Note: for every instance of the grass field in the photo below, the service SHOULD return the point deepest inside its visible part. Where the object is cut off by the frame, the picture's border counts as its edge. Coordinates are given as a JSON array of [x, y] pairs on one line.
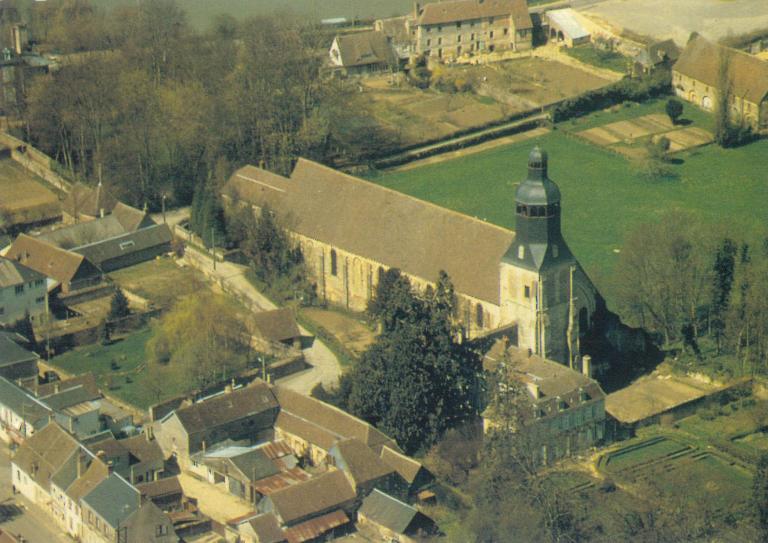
[[604, 196], [130, 381], [23, 197], [609, 60]]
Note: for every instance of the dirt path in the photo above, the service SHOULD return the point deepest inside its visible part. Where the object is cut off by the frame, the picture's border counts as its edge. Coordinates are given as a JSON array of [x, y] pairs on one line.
[[535, 133], [325, 366], [553, 52]]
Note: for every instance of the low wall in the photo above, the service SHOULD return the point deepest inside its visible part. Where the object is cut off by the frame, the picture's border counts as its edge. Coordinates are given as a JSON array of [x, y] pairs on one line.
[[35, 161]]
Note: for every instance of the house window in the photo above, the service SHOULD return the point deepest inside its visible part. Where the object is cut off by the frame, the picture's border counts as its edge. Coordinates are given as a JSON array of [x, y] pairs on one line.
[[527, 291], [19, 289], [490, 21], [40, 300], [2, 311], [479, 315], [39, 283], [491, 34], [160, 530], [458, 24], [458, 51], [506, 31], [429, 42], [458, 38], [472, 37], [334, 263], [439, 41], [429, 29], [439, 28]]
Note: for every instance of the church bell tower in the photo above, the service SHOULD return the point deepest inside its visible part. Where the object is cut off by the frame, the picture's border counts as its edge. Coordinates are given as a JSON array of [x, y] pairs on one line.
[[543, 288]]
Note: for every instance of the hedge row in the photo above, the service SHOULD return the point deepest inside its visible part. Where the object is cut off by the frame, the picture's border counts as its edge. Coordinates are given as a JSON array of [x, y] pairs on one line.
[[634, 90]]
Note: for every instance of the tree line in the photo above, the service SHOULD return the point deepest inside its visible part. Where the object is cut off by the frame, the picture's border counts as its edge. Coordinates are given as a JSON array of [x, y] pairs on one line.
[[157, 109], [692, 287]]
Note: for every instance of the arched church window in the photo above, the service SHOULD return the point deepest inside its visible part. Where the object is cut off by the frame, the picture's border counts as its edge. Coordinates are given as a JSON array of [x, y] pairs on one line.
[[334, 263], [479, 315]]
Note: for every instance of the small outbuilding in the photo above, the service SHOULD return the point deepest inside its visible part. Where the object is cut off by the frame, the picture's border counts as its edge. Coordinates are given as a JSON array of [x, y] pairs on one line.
[[565, 27], [395, 520]]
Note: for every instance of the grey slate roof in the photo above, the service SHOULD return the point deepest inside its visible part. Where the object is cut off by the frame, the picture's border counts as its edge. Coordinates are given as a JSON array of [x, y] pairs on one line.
[[114, 499], [13, 273], [387, 511], [131, 242], [84, 233], [23, 404], [10, 350]]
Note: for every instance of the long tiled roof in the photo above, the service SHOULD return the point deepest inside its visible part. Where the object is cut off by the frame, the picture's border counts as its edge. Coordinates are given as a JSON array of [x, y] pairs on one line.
[[405, 466], [43, 454], [380, 224], [51, 261], [276, 325], [360, 462], [23, 404], [701, 60], [85, 200], [364, 48], [387, 511], [102, 250], [467, 10], [326, 420], [10, 350]]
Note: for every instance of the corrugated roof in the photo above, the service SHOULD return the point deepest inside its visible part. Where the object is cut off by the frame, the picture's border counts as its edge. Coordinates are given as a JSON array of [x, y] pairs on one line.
[[383, 225], [331, 419], [359, 461], [276, 449], [114, 499], [364, 48], [13, 273], [314, 528], [241, 403], [251, 465], [315, 496], [276, 325], [701, 60], [467, 10], [387, 511], [279, 481], [568, 21]]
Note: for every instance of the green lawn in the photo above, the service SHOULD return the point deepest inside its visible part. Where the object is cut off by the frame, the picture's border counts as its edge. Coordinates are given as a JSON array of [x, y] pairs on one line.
[[640, 454], [597, 57], [603, 195], [130, 381]]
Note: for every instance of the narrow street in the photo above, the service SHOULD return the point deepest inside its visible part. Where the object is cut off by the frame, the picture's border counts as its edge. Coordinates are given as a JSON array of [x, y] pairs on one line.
[[24, 518]]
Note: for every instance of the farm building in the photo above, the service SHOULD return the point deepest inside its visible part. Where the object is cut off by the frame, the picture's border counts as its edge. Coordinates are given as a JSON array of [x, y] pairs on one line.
[[22, 292], [502, 278], [657, 55], [84, 203], [565, 27], [16, 361], [696, 78], [278, 326], [395, 520], [447, 30]]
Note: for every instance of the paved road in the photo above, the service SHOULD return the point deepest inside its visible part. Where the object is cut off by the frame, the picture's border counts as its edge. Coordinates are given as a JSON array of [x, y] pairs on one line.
[[34, 524], [325, 366]]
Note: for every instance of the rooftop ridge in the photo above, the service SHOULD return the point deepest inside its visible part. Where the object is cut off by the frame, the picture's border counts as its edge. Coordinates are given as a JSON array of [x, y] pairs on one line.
[[403, 195]]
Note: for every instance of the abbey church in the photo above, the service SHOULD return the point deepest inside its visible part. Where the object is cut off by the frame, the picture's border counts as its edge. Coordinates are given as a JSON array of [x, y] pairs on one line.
[[351, 231]]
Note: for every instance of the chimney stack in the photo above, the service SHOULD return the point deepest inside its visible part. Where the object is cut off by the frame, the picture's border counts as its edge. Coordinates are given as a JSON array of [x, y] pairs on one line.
[[149, 432], [586, 365]]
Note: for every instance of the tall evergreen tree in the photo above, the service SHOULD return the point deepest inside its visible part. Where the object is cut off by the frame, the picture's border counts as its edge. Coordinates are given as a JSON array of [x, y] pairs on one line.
[[760, 496], [118, 307], [722, 282]]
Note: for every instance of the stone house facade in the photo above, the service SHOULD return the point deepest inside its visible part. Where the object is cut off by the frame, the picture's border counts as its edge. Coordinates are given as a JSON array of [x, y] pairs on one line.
[[696, 77], [351, 231], [448, 30], [23, 291]]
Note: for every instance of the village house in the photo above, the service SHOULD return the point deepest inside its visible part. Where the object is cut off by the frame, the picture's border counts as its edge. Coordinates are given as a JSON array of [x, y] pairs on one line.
[[38, 459], [245, 413], [413, 476], [16, 361], [138, 459], [23, 292], [113, 512], [696, 78], [527, 279], [259, 528], [448, 30], [68, 270], [21, 414], [312, 427], [165, 493], [84, 203], [76, 409], [364, 469], [277, 326], [565, 411], [320, 504], [362, 52], [395, 520], [660, 54]]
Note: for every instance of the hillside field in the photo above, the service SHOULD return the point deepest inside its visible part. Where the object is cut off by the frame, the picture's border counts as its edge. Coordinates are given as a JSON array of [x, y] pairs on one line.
[[604, 196]]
